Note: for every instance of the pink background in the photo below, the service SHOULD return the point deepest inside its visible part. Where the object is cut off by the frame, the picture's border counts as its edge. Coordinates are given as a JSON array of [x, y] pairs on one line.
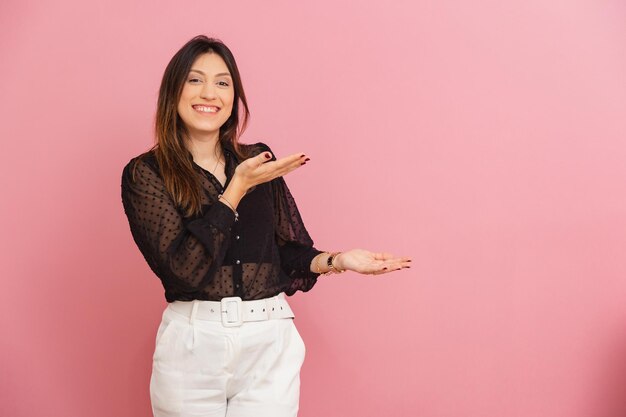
[[485, 139]]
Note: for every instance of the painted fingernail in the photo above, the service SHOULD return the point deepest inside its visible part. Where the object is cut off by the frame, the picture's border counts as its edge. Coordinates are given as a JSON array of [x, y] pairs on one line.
[[308, 159], [385, 268], [301, 155], [267, 155], [303, 163]]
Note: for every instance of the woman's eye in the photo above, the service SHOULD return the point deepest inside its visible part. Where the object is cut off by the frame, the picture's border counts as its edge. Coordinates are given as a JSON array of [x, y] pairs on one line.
[[194, 80], [223, 83]]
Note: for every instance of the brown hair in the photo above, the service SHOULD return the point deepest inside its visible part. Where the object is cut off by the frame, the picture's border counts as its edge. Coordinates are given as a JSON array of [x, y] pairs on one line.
[[175, 161]]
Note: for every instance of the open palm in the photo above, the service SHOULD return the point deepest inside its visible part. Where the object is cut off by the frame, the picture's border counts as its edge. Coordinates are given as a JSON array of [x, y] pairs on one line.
[[259, 169], [371, 263]]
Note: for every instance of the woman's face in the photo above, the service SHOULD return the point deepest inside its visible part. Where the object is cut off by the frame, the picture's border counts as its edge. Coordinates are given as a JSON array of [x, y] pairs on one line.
[[207, 98]]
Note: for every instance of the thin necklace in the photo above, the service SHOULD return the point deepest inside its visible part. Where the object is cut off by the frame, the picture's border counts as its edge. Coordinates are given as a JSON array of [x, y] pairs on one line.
[[217, 161], [215, 167]]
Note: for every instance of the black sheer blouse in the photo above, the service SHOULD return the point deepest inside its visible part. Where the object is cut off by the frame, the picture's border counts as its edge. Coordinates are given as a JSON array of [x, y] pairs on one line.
[[210, 256]]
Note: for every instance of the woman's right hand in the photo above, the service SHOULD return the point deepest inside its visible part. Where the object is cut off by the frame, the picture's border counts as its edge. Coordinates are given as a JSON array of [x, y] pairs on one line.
[[257, 170]]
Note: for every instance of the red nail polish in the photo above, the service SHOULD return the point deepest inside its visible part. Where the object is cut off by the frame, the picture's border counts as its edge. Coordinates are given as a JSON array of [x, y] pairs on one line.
[[303, 163], [308, 159], [267, 155], [301, 155]]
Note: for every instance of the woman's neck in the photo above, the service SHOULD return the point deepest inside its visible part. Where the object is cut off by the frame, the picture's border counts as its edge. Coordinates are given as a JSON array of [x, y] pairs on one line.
[[204, 150]]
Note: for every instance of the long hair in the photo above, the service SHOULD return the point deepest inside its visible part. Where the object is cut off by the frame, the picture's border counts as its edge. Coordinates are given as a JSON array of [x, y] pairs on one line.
[[175, 161]]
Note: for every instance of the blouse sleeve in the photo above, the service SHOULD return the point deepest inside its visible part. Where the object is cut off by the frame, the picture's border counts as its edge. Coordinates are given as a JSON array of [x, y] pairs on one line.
[[184, 252], [295, 246]]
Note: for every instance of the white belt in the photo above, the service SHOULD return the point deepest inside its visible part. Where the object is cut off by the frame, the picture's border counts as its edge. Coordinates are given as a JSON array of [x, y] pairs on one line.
[[232, 311]]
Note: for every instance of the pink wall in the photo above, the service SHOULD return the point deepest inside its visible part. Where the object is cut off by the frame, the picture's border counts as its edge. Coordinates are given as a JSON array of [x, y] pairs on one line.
[[485, 139]]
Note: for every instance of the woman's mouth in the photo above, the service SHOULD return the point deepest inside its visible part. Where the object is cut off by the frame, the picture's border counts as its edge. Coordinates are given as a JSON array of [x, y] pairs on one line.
[[205, 109]]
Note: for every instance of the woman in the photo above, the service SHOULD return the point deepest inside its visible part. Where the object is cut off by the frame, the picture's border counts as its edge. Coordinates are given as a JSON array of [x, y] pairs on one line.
[[217, 224]]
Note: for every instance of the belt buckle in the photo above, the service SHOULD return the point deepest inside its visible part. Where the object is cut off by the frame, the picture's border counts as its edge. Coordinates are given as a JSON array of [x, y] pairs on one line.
[[231, 306]]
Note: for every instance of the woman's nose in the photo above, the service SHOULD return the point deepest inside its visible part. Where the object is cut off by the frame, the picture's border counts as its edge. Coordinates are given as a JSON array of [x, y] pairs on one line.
[[208, 91]]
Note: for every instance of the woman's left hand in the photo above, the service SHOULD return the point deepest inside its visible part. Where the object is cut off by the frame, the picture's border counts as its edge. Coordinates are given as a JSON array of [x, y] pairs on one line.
[[370, 263]]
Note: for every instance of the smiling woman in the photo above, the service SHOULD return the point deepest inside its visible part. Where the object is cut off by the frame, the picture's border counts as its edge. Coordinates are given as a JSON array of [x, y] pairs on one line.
[[206, 101], [216, 222]]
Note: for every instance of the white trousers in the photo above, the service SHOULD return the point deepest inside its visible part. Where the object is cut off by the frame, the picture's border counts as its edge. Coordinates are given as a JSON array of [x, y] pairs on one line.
[[201, 368]]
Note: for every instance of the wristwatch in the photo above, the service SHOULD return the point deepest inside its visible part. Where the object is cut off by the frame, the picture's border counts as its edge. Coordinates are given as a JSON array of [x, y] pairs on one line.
[[331, 267]]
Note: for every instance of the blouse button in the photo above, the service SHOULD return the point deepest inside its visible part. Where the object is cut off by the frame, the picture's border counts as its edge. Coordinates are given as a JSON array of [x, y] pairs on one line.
[[237, 237], [237, 261]]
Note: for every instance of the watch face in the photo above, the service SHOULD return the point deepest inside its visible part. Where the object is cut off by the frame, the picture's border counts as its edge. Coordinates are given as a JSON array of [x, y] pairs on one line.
[[330, 261]]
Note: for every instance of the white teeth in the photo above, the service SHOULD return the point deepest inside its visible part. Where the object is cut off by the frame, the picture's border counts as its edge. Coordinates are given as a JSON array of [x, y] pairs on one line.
[[206, 109]]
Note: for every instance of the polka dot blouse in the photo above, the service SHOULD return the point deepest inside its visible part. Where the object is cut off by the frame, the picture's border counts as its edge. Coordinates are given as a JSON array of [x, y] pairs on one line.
[[210, 256]]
